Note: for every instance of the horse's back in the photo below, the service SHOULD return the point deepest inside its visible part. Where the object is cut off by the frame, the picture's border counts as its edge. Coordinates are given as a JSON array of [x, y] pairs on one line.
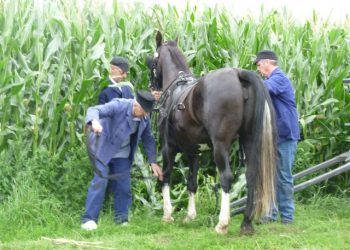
[[222, 105]]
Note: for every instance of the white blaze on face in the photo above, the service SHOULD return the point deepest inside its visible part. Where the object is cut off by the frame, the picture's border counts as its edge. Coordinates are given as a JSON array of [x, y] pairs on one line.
[[166, 201]]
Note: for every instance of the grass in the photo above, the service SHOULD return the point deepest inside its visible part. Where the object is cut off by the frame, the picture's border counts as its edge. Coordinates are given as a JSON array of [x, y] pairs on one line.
[[322, 224]]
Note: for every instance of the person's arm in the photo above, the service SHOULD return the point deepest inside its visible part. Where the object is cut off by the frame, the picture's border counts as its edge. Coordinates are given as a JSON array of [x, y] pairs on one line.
[[156, 94], [95, 113], [150, 149], [276, 84], [157, 171]]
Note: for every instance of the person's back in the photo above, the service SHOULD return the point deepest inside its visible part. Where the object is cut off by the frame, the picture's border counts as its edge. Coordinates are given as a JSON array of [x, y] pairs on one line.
[[282, 95]]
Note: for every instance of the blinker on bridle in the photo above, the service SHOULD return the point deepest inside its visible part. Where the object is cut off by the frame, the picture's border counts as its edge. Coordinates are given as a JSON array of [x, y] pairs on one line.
[[154, 81]]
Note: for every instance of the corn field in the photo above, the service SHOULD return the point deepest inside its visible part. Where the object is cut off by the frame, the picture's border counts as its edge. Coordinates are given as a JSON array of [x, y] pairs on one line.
[[55, 58]]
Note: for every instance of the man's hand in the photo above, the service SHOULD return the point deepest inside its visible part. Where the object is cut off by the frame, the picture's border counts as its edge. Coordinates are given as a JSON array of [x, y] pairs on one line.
[[157, 171], [96, 127], [156, 94]]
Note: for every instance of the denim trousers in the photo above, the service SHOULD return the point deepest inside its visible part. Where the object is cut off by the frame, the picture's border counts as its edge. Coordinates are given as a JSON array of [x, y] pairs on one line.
[[121, 189], [285, 186]]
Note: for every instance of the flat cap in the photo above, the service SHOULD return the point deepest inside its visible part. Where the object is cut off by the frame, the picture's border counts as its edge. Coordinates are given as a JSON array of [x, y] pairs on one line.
[[266, 54], [121, 63], [146, 100]]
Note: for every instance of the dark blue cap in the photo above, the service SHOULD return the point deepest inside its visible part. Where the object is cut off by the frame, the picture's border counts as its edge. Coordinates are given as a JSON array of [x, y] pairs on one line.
[[121, 63], [266, 54], [146, 100]]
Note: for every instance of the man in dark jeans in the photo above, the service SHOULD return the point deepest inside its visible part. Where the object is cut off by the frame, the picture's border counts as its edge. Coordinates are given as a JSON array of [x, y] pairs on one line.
[[282, 95]]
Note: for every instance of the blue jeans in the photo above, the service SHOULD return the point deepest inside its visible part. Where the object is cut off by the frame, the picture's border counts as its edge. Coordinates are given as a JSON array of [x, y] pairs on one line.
[[121, 188], [285, 187]]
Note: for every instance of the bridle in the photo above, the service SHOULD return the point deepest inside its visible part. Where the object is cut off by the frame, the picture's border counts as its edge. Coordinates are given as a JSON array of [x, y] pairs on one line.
[[155, 78]]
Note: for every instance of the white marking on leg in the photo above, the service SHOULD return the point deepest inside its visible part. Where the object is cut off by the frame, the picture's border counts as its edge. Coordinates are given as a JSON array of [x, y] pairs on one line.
[[167, 208], [191, 211], [224, 217]]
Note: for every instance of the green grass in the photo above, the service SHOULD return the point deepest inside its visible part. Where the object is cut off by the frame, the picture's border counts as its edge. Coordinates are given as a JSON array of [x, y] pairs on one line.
[[322, 224]]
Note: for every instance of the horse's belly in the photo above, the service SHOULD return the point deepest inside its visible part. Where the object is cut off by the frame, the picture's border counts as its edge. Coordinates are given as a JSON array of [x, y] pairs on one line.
[[192, 139]]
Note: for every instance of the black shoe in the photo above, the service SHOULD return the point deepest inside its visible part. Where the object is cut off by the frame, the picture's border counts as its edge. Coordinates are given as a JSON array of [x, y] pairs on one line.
[[287, 222], [122, 222]]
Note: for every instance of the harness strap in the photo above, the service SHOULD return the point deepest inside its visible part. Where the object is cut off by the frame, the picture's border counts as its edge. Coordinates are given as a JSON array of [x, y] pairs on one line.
[[165, 104], [184, 95]]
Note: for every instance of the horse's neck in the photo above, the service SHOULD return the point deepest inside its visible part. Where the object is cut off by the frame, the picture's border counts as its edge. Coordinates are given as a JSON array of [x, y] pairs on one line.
[[170, 75]]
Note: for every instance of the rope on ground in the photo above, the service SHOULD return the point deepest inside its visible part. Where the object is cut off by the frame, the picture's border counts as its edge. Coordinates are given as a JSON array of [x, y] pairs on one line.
[[78, 243]]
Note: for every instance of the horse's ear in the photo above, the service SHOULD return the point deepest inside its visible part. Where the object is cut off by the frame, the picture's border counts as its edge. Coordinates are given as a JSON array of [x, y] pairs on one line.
[[159, 39], [149, 62], [176, 40]]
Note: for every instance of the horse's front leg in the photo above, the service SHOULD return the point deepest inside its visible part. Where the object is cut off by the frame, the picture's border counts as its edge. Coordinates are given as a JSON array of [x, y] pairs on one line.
[[167, 207], [168, 163], [192, 187], [221, 157]]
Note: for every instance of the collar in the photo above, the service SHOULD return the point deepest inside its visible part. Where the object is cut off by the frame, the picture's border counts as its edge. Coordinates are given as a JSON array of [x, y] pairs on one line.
[[114, 84], [273, 72], [119, 85]]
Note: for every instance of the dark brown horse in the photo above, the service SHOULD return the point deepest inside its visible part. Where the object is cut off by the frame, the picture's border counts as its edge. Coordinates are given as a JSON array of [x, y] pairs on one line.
[[225, 105]]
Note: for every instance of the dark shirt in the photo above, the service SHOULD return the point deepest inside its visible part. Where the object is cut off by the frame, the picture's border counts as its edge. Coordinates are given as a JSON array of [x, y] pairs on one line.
[[282, 95], [110, 93]]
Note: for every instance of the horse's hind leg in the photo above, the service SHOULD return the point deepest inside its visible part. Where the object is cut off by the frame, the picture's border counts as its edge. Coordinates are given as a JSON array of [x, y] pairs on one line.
[[221, 157], [168, 163], [192, 187], [247, 226]]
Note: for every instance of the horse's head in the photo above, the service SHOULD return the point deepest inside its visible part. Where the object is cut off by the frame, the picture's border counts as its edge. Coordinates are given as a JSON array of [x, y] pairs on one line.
[[168, 60]]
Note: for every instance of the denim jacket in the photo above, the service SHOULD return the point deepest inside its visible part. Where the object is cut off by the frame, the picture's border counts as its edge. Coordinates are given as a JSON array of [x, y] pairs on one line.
[[282, 95], [116, 119]]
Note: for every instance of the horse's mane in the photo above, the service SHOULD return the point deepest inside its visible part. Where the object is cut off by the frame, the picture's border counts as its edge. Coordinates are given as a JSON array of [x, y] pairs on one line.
[[177, 56]]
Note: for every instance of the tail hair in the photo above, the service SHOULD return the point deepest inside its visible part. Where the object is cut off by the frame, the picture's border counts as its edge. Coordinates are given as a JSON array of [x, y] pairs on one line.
[[262, 168]]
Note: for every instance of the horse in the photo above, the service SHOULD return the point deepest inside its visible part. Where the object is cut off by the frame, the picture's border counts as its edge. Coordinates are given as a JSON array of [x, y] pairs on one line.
[[215, 110]]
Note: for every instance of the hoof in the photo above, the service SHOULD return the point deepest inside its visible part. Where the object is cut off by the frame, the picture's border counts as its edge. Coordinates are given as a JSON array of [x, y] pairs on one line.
[[221, 229], [247, 230], [188, 219], [167, 219]]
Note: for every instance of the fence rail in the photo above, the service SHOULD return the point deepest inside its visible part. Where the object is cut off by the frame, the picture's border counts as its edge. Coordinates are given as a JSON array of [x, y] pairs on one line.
[[345, 157]]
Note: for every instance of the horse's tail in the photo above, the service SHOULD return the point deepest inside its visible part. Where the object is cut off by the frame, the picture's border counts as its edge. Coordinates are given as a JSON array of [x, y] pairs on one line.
[[261, 170]]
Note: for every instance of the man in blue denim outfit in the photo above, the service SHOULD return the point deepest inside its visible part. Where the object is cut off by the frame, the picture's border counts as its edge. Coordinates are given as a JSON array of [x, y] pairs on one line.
[[119, 125], [282, 95]]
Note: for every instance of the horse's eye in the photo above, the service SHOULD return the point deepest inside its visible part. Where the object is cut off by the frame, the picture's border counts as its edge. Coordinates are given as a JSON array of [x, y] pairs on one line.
[[156, 55]]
